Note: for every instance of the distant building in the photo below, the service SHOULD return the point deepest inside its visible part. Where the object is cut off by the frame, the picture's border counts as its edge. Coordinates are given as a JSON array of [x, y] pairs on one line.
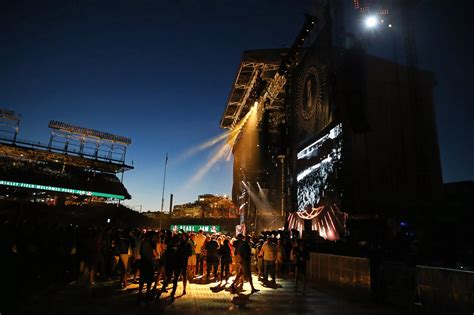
[[189, 210], [207, 206]]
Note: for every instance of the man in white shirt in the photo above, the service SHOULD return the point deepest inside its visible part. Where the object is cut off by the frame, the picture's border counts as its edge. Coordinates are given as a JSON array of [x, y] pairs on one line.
[[200, 239]]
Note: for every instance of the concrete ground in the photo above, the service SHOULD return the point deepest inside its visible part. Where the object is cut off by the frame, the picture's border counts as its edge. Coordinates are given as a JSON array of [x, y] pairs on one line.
[[201, 298]]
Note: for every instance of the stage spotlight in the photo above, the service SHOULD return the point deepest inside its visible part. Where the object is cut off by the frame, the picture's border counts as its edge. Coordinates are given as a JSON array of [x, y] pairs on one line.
[[371, 21]]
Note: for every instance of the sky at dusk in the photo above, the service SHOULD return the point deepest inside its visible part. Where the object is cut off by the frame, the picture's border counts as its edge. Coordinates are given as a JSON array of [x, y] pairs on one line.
[[160, 72]]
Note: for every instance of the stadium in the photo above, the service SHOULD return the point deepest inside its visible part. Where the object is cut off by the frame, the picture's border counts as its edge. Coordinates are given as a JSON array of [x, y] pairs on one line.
[[76, 171]]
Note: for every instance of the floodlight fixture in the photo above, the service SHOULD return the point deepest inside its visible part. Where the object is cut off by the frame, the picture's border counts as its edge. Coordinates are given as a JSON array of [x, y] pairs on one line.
[[371, 21], [8, 114]]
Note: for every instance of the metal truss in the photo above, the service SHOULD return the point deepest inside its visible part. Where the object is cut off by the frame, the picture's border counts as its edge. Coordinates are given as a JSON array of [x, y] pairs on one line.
[[84, 145]]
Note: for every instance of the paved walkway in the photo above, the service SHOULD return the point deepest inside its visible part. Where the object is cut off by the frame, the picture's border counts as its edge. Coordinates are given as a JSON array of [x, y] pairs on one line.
[[106, 298]]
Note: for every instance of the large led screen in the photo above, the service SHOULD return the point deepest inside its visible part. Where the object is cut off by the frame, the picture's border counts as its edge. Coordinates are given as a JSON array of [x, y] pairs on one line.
[[319, 165]]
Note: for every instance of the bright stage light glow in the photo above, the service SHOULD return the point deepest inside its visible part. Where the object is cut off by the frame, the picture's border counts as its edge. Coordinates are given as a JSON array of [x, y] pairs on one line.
[[371, 21]]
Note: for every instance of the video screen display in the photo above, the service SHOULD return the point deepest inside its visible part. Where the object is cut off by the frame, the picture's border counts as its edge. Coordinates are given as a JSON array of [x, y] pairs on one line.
[[318, 167]]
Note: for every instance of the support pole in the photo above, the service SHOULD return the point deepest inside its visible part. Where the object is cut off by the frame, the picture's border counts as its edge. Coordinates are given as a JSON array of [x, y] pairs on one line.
[[81, 146], [16, 132], [50, 144], [163, 191]]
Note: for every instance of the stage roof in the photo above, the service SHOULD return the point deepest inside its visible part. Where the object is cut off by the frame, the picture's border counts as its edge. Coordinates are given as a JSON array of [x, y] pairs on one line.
[[254, 63]]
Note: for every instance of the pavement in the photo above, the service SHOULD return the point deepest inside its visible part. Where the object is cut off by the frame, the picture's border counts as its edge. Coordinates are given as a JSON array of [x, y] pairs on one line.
[[201, 298]]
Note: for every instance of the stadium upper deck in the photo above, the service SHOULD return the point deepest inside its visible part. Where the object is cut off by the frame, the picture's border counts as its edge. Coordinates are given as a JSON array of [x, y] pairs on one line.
[[71, 169]]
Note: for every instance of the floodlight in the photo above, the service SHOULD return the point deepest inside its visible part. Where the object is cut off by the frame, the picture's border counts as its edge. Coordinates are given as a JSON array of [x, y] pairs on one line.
[[371, 21]]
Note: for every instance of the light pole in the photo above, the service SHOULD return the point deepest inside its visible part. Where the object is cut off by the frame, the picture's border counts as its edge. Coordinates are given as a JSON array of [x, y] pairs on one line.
[[163, 191]]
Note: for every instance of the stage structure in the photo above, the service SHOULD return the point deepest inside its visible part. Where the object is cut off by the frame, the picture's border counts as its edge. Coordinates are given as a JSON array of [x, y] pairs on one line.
[[255, 151], [257, 106], [343, 139]]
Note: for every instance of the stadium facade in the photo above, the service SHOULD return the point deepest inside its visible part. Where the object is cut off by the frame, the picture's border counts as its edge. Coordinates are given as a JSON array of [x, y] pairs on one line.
[[77, 166]]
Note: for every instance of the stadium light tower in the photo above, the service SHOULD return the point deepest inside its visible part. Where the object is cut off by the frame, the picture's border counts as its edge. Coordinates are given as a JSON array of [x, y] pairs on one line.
[[10, 120]]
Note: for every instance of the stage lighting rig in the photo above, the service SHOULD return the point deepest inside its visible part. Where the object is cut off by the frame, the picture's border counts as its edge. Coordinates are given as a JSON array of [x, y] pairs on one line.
[[291, 58], [258, 89]]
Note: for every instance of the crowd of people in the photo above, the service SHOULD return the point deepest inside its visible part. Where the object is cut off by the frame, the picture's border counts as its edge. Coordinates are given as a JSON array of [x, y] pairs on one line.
[[41, 255]]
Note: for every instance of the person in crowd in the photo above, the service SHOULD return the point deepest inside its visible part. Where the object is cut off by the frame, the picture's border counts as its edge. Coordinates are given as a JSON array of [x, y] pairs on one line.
[[160, 258], [268, 252], [136, 256], [170, 258], [125, 249], [236, 246], [192, 258], [115, 253], [232, 258], [245, 256], [200, 239], [211, 257], [280, 258], [72, 267], [107, 252], [101, 263], [147, 252], [287, 250], [301, 256], [224, 253], [294, 246], [11, 271], [183, 251], [260, 264], [204, 252], [91, 255]]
